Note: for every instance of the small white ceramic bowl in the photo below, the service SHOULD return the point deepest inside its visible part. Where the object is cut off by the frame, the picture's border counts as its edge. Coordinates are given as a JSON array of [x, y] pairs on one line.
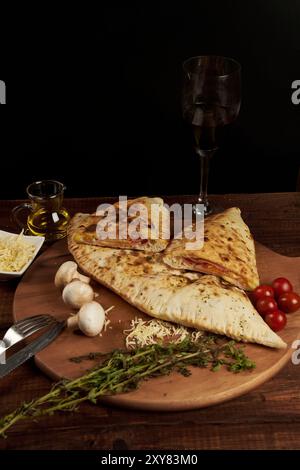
[[34, 240]]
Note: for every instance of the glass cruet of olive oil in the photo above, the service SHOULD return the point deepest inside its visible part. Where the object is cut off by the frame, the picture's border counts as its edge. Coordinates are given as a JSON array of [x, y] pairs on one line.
[[46, 215]]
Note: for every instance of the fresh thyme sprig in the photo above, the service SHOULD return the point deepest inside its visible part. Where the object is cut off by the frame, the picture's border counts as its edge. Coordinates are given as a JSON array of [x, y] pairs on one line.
[[122, 371]]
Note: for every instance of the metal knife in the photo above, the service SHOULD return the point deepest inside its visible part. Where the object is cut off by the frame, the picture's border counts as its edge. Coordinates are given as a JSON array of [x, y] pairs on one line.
[[31, 349]]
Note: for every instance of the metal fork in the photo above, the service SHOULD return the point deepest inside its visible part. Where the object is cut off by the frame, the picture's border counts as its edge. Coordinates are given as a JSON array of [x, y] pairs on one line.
[[24, 328]]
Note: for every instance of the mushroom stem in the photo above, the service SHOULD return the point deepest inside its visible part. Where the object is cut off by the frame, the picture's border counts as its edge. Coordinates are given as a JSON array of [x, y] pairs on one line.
[[82, 278], [72, 321]]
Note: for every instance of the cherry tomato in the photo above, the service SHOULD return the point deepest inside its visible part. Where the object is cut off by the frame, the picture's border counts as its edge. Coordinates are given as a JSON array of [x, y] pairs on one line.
[[262, 291], [276, 320], [281, 285], [265, 305], [289, 302]]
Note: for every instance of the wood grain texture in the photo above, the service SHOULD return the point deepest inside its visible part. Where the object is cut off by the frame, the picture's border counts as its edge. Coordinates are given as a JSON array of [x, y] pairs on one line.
[[174, 392], [267, 418]]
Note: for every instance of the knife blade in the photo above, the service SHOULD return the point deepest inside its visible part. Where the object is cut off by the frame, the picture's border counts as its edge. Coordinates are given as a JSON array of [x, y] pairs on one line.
[[31, 349]]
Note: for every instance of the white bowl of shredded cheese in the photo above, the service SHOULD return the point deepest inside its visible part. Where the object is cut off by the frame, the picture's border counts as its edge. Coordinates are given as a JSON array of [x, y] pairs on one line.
[[17, 251]]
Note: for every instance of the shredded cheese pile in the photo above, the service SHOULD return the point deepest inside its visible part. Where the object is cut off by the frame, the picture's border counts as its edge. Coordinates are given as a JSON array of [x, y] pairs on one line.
[[15, 252], [107, 320], [142, 333]]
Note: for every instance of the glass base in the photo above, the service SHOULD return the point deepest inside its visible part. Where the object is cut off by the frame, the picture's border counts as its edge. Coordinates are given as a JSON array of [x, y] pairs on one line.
[[200, 207]]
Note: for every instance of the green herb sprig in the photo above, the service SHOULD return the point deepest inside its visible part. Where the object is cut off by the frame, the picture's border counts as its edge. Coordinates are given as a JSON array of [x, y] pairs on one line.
[[122, 371]]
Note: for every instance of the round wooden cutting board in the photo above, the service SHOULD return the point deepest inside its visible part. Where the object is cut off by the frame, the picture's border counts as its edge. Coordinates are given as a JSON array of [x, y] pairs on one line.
[[37, 294]]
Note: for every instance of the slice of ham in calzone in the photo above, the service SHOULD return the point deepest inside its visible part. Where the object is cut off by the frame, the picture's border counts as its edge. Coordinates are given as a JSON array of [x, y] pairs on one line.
[[228, 251]]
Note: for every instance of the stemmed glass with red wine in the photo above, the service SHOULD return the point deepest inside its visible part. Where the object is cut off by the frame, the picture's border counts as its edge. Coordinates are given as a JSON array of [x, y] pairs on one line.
[[211, 100]]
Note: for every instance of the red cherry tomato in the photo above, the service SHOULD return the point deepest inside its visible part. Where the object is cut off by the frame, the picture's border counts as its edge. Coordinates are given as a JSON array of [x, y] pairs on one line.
[[289, 302], [276, 320], [265, 305], [262, 291], [281, 285]]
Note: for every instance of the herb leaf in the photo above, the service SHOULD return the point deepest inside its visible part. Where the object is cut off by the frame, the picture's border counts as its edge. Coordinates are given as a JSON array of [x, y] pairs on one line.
[[122, 371]]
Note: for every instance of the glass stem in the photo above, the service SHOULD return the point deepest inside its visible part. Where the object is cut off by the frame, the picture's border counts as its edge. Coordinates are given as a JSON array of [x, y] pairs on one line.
[[205, 156]]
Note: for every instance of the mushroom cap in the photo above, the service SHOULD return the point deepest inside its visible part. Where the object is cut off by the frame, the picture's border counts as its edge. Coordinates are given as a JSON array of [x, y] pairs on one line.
[[91, 318], [77, 293], [65, 274]]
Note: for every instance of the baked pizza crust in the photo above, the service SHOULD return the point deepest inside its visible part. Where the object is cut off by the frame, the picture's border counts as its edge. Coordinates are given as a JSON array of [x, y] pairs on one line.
[[153, 236], [228, 251], [205, 302]]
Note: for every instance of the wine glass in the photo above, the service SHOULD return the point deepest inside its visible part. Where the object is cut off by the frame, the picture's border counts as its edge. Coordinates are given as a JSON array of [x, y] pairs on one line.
[[211, 99]]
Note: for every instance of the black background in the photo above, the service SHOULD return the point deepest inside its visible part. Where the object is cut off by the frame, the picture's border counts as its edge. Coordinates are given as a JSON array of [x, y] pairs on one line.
[[93, 96]]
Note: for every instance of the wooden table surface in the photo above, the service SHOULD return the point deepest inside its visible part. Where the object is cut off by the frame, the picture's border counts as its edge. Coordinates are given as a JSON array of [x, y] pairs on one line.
[[267, 418]]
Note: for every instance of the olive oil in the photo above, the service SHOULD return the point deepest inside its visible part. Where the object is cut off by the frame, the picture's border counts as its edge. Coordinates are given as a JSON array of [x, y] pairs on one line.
[[46, 215], [49, 224]]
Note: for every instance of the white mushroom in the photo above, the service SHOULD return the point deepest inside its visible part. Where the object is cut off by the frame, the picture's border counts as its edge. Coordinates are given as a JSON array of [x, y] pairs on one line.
[[66, 273], [90, 319], [77, 293]]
